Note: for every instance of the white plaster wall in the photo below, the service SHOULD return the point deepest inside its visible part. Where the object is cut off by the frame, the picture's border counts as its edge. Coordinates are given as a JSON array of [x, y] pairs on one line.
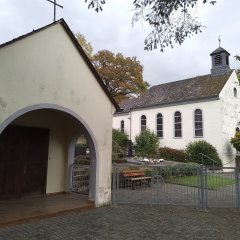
[[117, 122], [230, 117], [211, 123], [46, 68]]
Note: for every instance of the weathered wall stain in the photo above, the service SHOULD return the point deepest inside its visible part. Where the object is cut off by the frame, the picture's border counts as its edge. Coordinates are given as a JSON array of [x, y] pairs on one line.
[[3, 104]]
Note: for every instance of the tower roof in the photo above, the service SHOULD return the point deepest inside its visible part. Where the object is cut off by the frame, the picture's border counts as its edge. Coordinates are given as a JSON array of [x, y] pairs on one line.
[[219, 50]]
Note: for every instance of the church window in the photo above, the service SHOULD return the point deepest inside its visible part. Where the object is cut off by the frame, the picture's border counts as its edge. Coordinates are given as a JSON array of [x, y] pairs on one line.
[[235, 92], [143, 123], [122, 126], [198, 123], [218, 59], [177, 124], [160, 125]]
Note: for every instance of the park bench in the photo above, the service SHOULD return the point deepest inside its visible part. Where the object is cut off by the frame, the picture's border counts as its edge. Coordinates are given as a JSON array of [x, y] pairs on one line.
[[135, 178]]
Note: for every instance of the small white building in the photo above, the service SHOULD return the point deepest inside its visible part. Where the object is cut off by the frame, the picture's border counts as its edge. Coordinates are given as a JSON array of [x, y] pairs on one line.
[[50, 95], [204, 107]]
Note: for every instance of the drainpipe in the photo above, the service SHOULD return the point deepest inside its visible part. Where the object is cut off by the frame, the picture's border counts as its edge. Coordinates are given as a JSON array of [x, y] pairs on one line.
[[130, 134]]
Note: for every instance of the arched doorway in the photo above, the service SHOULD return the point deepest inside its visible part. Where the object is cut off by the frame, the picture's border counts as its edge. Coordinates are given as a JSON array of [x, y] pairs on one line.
[[37, 151]]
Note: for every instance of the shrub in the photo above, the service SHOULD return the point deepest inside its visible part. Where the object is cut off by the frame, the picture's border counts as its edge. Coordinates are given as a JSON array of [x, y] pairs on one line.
[[194, 150], [121, 138], [235, 141], [172, 154], [146, 144], [183, 169]]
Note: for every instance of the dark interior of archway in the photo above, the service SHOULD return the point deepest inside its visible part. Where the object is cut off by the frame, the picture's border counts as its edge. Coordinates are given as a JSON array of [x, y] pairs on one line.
[[23, 161]]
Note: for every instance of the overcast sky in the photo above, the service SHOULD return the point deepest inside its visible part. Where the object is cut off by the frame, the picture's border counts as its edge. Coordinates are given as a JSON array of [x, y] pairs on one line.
[[112, 30]]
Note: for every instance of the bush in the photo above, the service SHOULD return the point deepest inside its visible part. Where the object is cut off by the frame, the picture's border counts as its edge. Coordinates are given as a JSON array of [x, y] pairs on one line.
[[235, 141], [194, 150], [183, 169], [172, 154], [146, 144], [121, 138]]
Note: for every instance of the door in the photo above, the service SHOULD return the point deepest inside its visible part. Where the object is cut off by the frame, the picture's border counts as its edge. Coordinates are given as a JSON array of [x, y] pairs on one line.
[[23, 160]]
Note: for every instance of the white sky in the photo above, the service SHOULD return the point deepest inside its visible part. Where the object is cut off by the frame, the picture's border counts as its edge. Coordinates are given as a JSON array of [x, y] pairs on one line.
[[112, 30]]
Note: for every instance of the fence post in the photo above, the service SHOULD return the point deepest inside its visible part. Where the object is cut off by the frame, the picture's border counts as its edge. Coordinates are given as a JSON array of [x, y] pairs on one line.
[[237, 187], [202, 186], [205, 187], [114, 183]]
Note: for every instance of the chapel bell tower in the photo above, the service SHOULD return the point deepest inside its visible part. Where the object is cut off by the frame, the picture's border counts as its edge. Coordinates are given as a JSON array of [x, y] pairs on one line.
[[220, 61]]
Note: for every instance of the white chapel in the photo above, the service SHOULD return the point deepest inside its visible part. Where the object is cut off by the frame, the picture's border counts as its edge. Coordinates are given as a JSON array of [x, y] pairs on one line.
[[203, 107]]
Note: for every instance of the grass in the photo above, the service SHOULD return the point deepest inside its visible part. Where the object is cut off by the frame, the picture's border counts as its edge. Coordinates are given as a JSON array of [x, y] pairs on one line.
[[213, 182]]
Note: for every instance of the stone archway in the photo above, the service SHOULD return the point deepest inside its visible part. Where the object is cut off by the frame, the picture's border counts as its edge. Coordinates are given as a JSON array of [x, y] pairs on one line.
[[43, 116]]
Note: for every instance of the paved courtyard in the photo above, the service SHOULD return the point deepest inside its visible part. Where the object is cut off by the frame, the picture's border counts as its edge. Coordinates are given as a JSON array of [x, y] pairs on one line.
[[130, 222]]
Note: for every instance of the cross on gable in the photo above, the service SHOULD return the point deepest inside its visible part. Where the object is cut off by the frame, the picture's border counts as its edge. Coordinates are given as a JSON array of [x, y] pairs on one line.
[[54, 2]]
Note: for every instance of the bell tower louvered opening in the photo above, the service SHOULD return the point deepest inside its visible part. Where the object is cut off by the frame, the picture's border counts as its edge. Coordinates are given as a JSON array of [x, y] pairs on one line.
[[220, 62]]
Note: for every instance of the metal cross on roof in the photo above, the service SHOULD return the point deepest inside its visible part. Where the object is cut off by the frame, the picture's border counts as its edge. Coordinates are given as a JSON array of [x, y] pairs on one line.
[[55, 5], [219, 39]]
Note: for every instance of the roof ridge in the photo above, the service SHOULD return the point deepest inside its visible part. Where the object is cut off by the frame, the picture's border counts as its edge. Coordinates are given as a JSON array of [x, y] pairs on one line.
[[30, 33], [187, 79]]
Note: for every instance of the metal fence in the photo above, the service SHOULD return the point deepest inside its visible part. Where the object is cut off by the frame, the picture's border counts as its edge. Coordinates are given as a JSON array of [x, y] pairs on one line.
[[80, 178], [179, 185]]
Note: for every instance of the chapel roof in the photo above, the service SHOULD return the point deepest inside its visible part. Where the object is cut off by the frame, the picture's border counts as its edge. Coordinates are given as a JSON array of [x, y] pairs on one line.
[[219, 50], [192, 89], [78, 47]]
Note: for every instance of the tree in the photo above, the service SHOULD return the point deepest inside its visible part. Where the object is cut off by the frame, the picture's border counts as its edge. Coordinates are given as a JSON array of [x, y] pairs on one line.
[[147, 144], [237, 57], [121, 75], [169, 20], [87, 47], [235, 141]]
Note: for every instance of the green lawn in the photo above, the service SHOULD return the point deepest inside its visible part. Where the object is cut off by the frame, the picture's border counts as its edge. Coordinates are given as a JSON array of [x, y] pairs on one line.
[[213, 182]]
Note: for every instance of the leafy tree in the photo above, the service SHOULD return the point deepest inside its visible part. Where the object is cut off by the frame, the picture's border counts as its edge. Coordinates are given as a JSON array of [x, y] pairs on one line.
[[147, 143], [169, 20], [196, 148], [235, 141], [121, 138], [119, 144], [87, 47], [122, 75]]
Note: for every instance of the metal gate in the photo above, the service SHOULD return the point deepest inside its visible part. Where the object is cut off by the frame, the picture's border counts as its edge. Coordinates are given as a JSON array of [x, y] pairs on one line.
[[179, 185], [80, 178]]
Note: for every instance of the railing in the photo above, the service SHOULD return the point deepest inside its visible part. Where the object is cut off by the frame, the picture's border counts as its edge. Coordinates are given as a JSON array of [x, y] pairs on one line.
[[212, 160], [179, 185]]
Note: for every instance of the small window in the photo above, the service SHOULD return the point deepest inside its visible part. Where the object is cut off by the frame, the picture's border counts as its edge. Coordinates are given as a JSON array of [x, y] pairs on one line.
[[122, 126], [235, 92], [198, 123], [177, 124], [227, 61], [143, 123], [159, 125], [218, 59], [237, 129]]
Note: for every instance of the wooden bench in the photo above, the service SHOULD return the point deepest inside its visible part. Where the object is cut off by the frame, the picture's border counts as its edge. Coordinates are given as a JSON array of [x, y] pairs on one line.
[[136, 178]]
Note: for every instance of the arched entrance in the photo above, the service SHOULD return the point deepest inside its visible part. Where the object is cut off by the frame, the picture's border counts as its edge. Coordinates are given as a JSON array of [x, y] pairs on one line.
[[37, 151]]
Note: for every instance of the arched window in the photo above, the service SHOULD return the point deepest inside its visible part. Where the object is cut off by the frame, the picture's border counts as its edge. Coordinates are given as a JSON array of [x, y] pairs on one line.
[[177, 124], [160, 125], [143, 123], [237, 129], [122, 126], [218, 59], [198, 123], [235, 92]]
